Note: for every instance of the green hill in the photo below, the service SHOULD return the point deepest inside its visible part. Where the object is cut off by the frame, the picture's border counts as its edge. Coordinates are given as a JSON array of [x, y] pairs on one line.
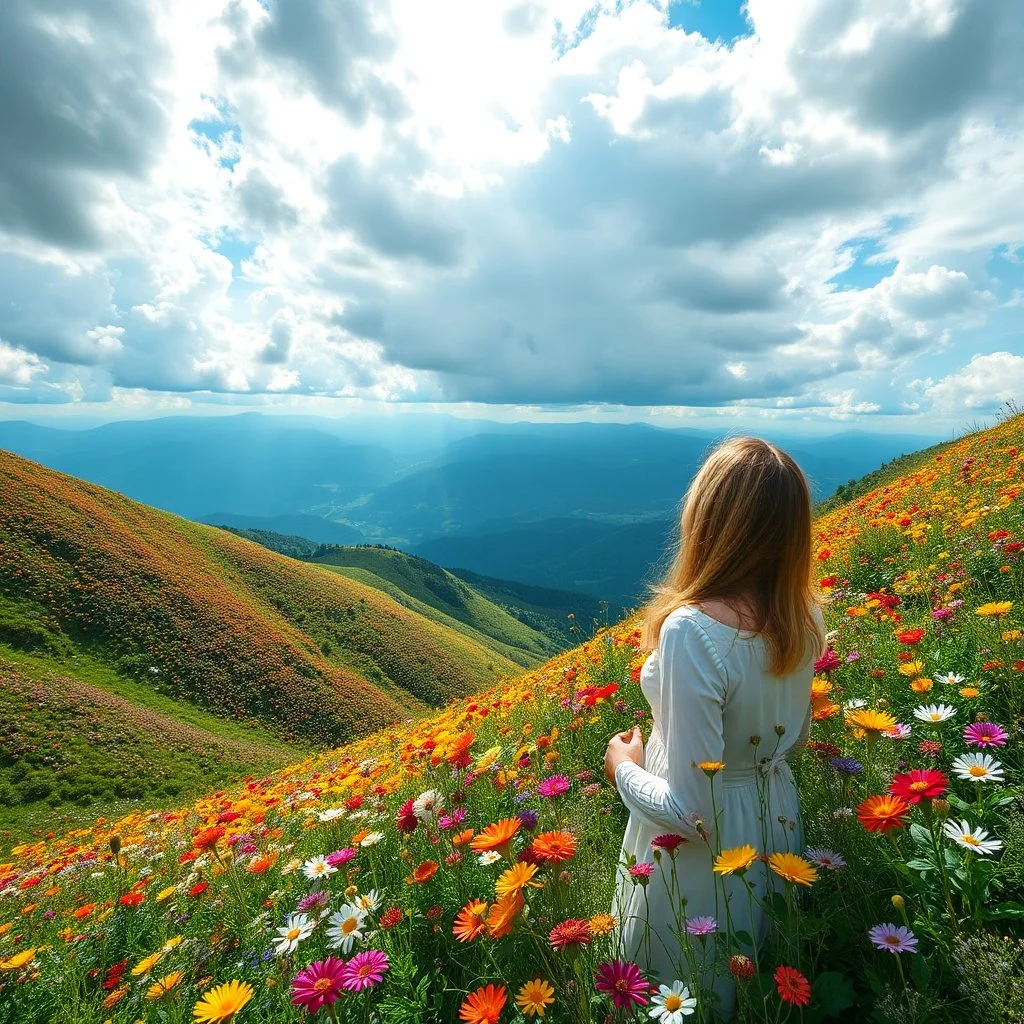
[[442, 596], [207, 620]]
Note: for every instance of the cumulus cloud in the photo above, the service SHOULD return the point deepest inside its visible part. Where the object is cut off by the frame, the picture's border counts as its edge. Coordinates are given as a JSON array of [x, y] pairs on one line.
[[985, 384], [560, 202]]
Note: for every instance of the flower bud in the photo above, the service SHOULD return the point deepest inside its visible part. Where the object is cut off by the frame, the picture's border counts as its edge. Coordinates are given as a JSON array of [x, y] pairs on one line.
[[898, 901], [940, 808]]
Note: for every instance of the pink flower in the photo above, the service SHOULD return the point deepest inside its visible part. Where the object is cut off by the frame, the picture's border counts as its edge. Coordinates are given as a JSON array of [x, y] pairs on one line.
[[553, 785], [641, 870], [669, 841], [340, 857], [622, 982], [828, 662], [319, 984], [365, 970], [701, 926], [985, 734]]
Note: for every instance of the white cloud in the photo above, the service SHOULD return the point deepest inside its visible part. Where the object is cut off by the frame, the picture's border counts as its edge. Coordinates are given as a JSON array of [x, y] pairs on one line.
[[985, 384], [510, 202]]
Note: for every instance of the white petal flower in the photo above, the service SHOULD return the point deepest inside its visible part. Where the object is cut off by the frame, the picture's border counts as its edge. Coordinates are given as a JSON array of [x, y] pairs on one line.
[[977, 840], [933, 714], [317, 867], [978, 767], [672, 1003], [345, 927], [299, 927]]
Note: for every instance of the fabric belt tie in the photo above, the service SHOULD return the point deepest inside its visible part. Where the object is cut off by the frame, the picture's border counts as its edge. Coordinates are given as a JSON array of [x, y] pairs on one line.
[[771, 770]]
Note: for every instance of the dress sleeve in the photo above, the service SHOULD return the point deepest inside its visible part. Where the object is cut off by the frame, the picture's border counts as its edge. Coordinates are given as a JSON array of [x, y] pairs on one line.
[[692, 702]]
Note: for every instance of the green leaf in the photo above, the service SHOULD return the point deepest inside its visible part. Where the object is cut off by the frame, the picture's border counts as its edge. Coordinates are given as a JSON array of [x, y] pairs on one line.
[[921, 865], [921, 835], [744, 938], [1003, 911], [833, 992]]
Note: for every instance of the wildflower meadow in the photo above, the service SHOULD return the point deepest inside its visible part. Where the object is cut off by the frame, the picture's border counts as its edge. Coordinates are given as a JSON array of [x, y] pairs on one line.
[[461, 867]]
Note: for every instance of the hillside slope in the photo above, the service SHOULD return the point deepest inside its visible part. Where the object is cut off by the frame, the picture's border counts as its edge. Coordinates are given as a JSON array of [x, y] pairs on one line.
[[213, 619], [438, 594], [450, 828]]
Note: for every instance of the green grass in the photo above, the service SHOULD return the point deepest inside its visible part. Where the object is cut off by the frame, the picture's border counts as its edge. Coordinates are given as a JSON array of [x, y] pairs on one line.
[[76, 740]]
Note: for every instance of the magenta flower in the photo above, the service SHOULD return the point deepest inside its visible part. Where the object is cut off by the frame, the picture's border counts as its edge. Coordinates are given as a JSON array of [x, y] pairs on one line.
[[314, 901], [668, 841], [340, 857], [641, 870], [828, 662], [895, 939], [942, 614], [447, 821], [553, 785], [365, 970], [701, 926], [319, 984], [985, 734], [622, 982]]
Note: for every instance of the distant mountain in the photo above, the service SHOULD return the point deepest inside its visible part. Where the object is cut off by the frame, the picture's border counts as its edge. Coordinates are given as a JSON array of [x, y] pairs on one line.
[[196, 466], [583, 507], [207, 618]]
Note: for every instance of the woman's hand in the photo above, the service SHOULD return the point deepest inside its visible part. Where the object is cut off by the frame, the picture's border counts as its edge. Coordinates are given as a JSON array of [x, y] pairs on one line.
[[623, 746]]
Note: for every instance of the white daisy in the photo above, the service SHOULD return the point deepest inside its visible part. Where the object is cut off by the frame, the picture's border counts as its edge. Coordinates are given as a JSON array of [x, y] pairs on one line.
[[299, 927], [948, 678], [976, 840], [672, 1004], [317, 867], [345, 927], [427, 804], [978, 767], [855, 703], [331, 814], [489, 857], [368, 902], [934, 714], [372, 839]]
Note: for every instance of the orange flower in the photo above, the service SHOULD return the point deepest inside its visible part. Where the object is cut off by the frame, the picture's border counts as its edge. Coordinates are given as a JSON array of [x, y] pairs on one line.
[[261, 864], [462, 837], [554, 846], [483, 1006], [132, 899], [882, 813], [84, 911], [497, 836], [503, 913], [470, 921], [423, 872]]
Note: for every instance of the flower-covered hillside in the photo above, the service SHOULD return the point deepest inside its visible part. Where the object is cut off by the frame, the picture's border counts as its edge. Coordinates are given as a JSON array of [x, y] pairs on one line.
[[461, 868], [215, 620]]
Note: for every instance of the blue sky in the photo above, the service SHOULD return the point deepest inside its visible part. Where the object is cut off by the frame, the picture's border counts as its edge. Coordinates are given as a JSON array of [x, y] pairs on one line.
[[677, 212]]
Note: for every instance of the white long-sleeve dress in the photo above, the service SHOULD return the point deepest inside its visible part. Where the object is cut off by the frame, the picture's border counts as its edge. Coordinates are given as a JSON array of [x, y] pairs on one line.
[[710, 692]]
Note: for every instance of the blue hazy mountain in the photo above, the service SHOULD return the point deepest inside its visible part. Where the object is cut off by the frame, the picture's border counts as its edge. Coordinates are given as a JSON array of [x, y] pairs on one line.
[[585, 507]]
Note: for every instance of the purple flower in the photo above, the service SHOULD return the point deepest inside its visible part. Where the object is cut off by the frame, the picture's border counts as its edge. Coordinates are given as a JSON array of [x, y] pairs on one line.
[[826, 858], [314, 901], [852, 656], [701, 926], [553, 785], [622, 982], [847, 765], [942, 614], [894, 938], [456, 817], [528, 818]]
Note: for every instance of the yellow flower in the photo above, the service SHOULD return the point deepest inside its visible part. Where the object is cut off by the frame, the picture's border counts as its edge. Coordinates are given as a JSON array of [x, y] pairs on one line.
[[993, 609], [710, 768], [223, 1002], [969, 691], [165, 894], [534, 996], [736, 860], [1011, 636], [147, 964], [870, 720], [161, 988], [19, 960], [921, 685], [911, 669], [175, 940], [516, 878], [602, 924], [793, 868]]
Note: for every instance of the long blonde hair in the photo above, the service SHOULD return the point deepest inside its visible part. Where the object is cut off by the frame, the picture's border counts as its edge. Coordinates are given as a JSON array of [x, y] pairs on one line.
[[745, 535]]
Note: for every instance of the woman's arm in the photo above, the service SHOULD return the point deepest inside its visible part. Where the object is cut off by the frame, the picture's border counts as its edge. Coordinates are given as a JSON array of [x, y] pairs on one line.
[[692, 700]]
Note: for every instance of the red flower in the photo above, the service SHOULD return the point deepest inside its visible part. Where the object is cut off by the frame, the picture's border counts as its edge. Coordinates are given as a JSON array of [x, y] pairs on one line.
[[921, 783], [910, 636], [793, 986], [391, 917], [132, 899], [208, 838], [198, 889], [405, 820]]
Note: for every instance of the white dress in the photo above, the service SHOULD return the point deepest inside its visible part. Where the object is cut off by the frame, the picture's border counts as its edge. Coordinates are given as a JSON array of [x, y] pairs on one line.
[[710, 692]]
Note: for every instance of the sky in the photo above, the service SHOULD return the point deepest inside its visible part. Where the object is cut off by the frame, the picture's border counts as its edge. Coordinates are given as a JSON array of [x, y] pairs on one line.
[[803, 213]]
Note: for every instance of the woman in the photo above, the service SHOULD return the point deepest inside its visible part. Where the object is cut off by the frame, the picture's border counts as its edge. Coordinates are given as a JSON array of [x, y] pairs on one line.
[[735, 629]]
